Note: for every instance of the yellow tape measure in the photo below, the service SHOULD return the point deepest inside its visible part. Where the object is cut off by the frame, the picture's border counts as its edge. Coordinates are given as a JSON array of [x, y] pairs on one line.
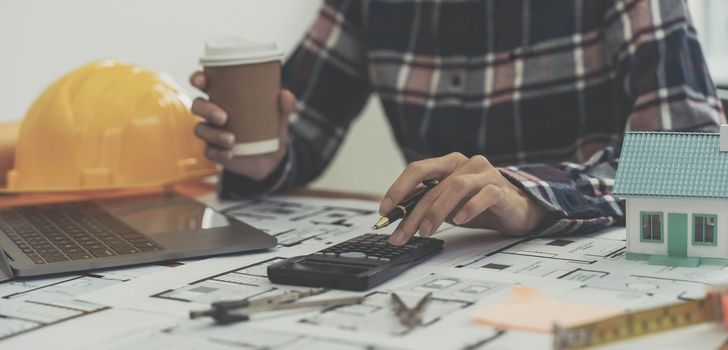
[[643, 322]]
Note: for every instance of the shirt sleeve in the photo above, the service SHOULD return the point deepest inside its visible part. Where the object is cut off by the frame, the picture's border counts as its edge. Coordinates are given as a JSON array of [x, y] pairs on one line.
[[328, 75], [664, 86]]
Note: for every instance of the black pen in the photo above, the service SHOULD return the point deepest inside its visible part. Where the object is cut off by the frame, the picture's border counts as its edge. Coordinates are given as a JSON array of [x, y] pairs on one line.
[[406, 206]]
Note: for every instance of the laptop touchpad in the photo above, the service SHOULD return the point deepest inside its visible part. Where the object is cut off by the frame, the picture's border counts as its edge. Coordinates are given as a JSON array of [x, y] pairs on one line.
[[154, 214]]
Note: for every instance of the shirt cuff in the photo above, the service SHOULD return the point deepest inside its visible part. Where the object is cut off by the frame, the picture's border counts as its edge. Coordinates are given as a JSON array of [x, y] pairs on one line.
[[570, 212]]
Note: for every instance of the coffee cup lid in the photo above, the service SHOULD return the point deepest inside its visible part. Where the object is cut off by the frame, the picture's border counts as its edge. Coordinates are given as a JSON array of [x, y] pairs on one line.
[[226, 51]]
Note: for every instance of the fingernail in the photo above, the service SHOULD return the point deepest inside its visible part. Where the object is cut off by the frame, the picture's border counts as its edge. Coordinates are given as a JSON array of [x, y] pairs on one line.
[[385, 207], [198, 80], [459, 218], [400, 237], [426, 228], [220, 116], [394, 238], [229, 140]]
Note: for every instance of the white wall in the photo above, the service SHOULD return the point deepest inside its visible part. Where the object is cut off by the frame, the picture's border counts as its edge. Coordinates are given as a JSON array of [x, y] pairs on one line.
[[687, 206], [709, 17], [369, 161], [41, 40]]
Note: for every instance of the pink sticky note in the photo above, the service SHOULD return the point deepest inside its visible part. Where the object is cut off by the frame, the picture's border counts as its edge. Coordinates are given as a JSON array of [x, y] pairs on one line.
[[529, 310]]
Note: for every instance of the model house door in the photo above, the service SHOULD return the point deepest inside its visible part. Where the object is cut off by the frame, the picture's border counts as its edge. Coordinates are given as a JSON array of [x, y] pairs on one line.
[[677, 234]]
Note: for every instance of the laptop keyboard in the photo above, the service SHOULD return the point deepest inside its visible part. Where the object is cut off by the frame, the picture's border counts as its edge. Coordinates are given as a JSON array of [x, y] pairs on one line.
[[71, 231]]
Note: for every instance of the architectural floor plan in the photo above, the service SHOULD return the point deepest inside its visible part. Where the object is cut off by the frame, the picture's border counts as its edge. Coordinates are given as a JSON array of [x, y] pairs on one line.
[[475, 269], [30, 304]]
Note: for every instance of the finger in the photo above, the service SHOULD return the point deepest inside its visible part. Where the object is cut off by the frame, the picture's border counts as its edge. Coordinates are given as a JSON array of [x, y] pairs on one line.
[[415, 173], [399, 236], [409, 225], [459, 189], [199, 80], [468, 179], [413, 221], [209, 111], [477, 204], [287, 106], [287, 102], [218, 137], [217, 154]]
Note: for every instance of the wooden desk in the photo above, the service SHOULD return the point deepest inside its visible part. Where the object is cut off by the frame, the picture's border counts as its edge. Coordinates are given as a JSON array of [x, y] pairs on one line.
[[190, 188]]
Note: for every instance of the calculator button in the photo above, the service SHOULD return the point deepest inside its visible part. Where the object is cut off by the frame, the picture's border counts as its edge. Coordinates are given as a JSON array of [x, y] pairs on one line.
[[356, 255]]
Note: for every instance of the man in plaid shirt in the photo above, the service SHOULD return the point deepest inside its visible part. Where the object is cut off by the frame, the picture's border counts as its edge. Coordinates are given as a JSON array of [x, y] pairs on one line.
[[518, 106]]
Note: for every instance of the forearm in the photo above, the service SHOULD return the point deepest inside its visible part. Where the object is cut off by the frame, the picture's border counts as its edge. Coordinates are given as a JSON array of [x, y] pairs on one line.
[[309, 151], [578, 197]]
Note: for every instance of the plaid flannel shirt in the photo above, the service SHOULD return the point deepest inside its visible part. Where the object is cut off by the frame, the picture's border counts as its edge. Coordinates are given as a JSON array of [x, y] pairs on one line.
[[543, 89]]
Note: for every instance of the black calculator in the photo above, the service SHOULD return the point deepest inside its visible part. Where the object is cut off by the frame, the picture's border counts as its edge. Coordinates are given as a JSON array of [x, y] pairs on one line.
[[357, 264]]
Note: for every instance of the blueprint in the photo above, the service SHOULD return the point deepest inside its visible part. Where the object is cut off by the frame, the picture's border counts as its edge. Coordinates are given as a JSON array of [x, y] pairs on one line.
[[246, 282], [477, 268], [31, 304], [598, 262], [293, 222]]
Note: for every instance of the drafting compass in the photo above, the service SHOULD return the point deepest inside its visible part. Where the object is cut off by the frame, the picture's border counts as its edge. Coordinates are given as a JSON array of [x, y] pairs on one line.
[[410, 317], [225, 312]]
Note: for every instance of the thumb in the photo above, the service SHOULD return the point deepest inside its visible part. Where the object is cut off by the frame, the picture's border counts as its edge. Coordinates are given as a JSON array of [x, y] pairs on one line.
[[287, 106], [287, 102]]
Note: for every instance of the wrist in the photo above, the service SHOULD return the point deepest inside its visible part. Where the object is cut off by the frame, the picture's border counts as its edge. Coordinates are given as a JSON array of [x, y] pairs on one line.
[[536, 214], [532, 214], [235, 185], [272, 165], [258, 167]]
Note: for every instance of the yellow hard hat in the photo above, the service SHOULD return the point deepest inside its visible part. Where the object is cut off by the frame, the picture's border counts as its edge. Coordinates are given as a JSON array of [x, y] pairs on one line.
[[107, 125]]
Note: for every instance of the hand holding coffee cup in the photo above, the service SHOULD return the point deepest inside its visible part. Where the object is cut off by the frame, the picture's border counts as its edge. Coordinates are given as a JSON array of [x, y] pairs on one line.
[[245, 120]]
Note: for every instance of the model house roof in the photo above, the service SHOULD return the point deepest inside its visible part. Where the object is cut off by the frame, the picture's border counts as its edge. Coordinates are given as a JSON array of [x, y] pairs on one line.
[[672, 164]]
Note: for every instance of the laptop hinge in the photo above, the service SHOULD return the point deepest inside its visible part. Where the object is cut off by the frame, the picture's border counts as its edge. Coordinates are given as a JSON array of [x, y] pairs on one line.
[[6, 272]]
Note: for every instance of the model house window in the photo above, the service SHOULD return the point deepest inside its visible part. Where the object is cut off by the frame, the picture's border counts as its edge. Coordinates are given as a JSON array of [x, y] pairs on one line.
[[651, 226], [704, 227]]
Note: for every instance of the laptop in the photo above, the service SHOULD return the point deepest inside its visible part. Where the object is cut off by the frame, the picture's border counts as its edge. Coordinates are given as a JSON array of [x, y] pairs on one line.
[[75, 236]]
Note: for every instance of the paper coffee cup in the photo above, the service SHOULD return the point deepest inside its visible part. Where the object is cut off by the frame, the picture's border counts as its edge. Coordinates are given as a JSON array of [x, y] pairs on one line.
[[244, 79]]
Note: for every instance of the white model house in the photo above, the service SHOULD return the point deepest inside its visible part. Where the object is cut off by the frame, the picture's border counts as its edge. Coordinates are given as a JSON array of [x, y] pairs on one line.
[[676, 190]]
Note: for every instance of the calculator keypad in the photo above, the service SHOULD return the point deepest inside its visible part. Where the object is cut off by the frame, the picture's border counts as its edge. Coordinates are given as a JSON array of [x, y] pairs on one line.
[[357, 264], [372, 246]]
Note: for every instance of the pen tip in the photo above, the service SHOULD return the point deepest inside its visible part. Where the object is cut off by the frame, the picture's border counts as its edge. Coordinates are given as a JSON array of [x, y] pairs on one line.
[[381, 223]]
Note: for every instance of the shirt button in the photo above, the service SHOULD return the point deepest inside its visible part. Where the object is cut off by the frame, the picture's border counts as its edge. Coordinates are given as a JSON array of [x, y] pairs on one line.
[[456, 80]]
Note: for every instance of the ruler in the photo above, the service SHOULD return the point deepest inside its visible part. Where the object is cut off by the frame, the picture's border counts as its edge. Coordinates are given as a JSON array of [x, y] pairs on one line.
[[638, 323]]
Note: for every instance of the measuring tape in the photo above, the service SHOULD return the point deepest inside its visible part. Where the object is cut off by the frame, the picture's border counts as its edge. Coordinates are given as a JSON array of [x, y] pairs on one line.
[[713, 308]]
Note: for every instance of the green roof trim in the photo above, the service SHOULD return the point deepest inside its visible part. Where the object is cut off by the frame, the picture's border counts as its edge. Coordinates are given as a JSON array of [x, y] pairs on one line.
[[672, 164]]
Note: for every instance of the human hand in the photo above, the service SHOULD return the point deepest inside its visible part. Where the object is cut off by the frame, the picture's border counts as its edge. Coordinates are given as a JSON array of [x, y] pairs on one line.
[[472, 192], [220, 141]]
